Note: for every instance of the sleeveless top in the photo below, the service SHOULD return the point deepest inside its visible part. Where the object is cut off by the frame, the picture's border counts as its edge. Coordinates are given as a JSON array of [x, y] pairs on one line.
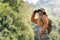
[[40, 28]]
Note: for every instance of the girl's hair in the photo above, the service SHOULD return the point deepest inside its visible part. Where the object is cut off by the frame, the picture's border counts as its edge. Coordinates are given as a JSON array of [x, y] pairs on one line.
[[44, 13]]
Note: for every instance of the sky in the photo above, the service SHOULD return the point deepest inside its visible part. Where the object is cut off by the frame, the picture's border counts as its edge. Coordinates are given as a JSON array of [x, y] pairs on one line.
[[32, 1], [35, 1], [48, 5]]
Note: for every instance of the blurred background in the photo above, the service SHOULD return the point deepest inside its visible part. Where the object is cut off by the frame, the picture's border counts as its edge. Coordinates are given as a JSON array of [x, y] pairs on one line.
[[15, 19]]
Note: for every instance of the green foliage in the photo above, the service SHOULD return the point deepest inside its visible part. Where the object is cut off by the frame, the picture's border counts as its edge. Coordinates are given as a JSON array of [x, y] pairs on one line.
[[13, 26]]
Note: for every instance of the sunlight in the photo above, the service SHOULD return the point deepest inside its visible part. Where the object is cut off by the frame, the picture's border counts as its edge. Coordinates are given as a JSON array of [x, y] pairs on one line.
[[45, 0], [59, 0]]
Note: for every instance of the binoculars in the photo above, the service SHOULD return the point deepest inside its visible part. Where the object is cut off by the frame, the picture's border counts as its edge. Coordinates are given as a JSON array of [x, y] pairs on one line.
[[37, 11]]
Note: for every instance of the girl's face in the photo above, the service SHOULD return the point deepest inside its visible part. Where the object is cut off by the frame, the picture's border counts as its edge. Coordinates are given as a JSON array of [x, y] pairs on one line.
[[40, 13]]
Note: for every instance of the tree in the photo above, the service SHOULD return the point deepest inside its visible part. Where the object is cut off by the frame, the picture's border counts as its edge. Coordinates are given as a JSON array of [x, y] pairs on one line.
[[12, 25]]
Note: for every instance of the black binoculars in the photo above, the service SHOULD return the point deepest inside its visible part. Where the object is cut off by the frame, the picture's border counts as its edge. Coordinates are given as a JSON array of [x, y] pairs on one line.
[[37, 11]]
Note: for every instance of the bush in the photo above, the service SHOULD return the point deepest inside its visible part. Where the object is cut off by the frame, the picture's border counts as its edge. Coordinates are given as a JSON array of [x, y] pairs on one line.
[[12, 26]]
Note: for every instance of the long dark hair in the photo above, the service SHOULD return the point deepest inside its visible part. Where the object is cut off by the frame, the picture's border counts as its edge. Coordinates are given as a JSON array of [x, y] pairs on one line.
[[44, 13]]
